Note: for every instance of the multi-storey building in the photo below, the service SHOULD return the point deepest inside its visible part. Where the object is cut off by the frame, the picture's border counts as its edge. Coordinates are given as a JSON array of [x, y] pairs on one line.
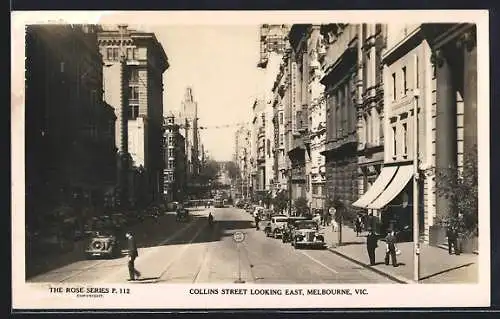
[[340, 65], [70, 147], [299, 147], [174, 174], [258, 147], [371, 105], [146, 62], [281, 101], [317, 120], [242, 160], [430, 68], [273, 43], [188, 119]]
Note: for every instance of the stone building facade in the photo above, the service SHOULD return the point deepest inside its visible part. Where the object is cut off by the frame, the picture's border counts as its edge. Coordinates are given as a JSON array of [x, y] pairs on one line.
[[340, 65], [146, 62], [174, 174]]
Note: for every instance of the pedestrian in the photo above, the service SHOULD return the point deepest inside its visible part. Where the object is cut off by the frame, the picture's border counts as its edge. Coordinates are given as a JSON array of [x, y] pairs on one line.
[[257, 220], [357, 225], [371, 245], [331, 212], [390, 250], [132, 255], [452, 235]]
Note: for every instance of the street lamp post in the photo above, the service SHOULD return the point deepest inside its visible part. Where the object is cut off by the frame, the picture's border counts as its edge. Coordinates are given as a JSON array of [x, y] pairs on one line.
[[416, 230]]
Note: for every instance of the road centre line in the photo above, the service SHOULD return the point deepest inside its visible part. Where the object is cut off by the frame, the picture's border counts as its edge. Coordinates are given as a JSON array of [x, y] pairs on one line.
[[318, 262]]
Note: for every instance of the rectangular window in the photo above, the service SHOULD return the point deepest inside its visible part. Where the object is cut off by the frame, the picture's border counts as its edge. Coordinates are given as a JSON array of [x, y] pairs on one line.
[[394, 86], [170, 140], [281, 118], [405, 138], [133, 112], [394, 142], [282, 139], [134, 76], [116, 54], [134, 54], [133, 92], [109, 53], [170, 152], [129, 54], [405, 84], [170, 164]]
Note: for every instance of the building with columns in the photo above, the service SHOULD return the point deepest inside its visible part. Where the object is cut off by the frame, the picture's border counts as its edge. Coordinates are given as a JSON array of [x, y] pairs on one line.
[[430, 68], [142, 77], [343, 86], [371, 106], [317, 120]]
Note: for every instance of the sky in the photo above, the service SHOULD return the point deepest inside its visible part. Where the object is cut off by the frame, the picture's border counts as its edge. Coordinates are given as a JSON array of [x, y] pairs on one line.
[[220, 64]]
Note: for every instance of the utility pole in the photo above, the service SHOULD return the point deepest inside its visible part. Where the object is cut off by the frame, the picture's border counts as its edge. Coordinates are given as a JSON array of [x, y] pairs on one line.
[[416, 230]]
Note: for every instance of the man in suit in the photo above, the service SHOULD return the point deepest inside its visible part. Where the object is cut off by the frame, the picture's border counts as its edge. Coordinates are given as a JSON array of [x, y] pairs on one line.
[[390, 240], [132, 255], [451, 233], [371, 244]]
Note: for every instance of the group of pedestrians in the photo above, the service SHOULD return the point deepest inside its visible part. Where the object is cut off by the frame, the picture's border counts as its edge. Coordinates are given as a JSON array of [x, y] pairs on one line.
[[391, 249]]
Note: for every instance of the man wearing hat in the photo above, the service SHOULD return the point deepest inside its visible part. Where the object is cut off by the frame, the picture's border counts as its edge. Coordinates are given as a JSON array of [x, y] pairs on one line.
[[132, 255]]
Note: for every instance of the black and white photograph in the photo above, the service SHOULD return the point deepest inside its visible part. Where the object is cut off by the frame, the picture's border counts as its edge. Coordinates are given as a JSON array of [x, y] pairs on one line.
[[253, 161]]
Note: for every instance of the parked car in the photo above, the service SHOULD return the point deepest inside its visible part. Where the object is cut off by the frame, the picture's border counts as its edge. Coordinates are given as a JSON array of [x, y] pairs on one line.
[[289, 226], [103, 244], [306, 234], [276, 226]]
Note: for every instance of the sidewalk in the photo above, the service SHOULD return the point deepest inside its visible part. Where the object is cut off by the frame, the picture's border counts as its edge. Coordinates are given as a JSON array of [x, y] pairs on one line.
[[436, 265]]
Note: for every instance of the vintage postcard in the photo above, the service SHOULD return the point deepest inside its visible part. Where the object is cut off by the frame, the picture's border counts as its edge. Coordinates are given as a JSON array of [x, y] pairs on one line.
[[208, 160]]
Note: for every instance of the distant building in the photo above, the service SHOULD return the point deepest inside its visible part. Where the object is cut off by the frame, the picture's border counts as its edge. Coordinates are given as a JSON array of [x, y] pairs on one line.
[[242, 160], [70, 131], [174, 174], [188, 121], [146, 62]]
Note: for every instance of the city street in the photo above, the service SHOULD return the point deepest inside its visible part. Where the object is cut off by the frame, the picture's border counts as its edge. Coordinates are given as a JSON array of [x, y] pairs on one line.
[[195, 253]]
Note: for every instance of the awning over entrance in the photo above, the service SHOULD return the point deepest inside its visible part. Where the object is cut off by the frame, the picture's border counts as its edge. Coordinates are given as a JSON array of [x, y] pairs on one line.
[[378, 186], [402, 177]]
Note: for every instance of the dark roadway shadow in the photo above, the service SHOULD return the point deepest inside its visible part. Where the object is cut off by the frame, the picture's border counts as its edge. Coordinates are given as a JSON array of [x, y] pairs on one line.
[[220, 229]]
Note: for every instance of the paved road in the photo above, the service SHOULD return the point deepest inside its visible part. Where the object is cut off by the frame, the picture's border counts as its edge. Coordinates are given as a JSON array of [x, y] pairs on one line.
[[195, 253]]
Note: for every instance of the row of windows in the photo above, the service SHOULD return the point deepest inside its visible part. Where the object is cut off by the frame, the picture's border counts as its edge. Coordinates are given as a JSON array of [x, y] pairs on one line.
[[113, 53], [404, 79]]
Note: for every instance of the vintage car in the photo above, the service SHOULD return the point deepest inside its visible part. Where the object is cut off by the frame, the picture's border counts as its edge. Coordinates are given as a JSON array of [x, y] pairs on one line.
[[306, 234], [276, 226], [103, 244], [289, 226]]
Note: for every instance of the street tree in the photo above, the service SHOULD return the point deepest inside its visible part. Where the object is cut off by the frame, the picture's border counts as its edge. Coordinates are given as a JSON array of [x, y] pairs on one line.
[[301, 206], [460, 185], [233, 170], [280, 202]]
